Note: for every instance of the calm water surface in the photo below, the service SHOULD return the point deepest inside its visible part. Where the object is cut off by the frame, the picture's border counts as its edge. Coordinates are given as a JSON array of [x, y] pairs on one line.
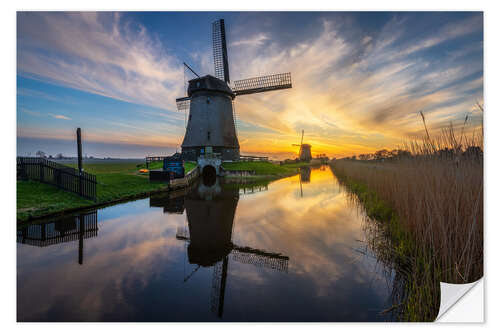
[[289, 251]]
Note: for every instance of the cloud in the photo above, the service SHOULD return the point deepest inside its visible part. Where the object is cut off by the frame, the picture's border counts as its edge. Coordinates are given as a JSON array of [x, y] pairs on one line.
[[351, 84], [59, 116], [254, 40], [99, 53], [32, 113], [352, 93]]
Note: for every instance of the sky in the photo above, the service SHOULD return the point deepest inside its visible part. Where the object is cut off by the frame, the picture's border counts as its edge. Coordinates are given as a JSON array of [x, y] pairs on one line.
[[359, 79]]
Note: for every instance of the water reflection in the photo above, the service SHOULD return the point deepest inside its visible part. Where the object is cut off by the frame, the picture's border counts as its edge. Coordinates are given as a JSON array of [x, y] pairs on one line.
[[285, 251], [66, 229], [305, 175], [304, 178], [210, 216]]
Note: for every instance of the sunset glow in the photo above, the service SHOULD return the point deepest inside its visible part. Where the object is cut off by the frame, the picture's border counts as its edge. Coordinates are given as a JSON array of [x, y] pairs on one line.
[[359, 79]]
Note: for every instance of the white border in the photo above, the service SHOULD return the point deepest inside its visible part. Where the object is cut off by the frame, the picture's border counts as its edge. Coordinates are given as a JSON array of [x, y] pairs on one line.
[[8, 143]]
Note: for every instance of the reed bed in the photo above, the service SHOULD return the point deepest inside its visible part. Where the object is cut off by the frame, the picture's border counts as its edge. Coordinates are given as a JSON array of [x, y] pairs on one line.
[[431, 202]]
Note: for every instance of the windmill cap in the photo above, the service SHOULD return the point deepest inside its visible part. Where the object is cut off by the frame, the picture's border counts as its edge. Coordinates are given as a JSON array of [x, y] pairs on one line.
[[209, 83]]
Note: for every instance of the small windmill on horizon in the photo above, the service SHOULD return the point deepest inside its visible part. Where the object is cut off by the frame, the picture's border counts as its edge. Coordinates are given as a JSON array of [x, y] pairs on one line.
[[211, 122], [304, 150]]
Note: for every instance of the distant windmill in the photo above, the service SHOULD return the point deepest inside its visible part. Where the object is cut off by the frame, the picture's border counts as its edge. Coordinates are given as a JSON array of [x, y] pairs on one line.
[[304, 150], [211, 124]]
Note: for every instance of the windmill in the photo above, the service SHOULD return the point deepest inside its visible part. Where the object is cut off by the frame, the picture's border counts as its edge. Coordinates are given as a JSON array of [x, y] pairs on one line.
[[304, 150], [211, 122]]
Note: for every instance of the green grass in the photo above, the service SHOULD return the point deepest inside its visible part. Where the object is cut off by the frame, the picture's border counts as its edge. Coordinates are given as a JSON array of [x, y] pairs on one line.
[[264, 168], [116, 180], [37, 199]]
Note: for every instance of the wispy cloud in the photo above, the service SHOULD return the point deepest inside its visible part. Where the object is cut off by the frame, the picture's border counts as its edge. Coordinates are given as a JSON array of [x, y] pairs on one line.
[[255, 40], [351, 93], [59, 116], [98, 53], [32, 113], [372, 102]]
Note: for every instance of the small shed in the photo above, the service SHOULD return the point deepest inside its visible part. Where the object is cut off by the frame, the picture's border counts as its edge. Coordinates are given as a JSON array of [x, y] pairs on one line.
[[174, 165]]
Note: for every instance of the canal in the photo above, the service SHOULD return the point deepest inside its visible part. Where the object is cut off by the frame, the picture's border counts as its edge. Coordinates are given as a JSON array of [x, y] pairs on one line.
[[292, 250]]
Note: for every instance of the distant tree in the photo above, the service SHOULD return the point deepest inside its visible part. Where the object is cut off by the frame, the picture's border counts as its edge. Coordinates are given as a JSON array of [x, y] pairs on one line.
[[403, 153], [399, 154], [40, 154], [353, 157], [50, 156], [473, 152], [445, 153], [59, 156], [382, 154]]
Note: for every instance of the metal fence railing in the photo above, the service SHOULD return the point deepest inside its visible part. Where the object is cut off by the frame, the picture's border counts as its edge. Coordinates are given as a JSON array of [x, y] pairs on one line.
[[84, 184], [247, 158]]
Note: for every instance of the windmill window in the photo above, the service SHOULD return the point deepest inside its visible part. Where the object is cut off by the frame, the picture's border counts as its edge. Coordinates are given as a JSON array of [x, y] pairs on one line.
[[208, 135]]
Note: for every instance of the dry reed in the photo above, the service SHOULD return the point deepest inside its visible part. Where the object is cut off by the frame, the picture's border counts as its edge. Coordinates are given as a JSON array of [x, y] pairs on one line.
[[437, 197]]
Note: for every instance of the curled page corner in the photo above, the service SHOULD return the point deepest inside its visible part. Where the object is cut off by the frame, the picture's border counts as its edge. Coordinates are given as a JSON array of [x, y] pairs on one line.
[[452, 294]]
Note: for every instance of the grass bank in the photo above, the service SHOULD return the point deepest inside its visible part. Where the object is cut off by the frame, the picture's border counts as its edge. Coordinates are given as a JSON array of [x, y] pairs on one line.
[[265, 169], [431, 214], [116, 181]]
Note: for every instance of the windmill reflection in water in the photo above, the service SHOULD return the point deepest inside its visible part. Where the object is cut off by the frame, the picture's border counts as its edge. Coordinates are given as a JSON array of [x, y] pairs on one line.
[[210, 211]]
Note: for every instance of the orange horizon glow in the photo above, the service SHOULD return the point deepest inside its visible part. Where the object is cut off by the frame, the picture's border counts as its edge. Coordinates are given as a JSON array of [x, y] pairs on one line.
[[352, 94]]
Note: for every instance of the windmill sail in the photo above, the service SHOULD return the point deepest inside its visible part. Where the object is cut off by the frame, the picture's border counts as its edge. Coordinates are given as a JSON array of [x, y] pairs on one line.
[[220, 50], [260, 258], [183, 103], [263, 83]]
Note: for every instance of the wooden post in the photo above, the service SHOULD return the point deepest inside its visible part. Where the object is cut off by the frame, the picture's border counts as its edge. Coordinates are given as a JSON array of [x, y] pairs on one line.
[[42, 178], [43, 232], [79, 147], [79, 144], [80, 238]]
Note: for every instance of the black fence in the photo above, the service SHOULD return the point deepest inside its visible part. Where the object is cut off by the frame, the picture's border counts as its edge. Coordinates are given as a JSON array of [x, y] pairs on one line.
[[84, 184], [65, 229], [150, 159]]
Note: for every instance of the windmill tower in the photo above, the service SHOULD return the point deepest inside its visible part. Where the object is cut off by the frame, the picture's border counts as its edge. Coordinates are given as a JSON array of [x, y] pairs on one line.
[[304, 150], [211, 124]]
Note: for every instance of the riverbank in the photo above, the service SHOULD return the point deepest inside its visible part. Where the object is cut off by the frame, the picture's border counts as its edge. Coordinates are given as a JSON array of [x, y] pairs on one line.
[[122, 181], [116, 182], [262, 170], [430, 224]]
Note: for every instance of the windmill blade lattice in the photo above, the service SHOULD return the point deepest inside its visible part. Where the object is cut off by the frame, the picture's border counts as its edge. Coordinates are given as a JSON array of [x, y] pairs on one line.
[[183, 103], [220, 50], [259, 258], [262, 84]]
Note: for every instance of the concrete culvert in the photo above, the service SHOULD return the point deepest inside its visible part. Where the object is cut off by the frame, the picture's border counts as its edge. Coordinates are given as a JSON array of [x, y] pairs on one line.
[[209, 175]]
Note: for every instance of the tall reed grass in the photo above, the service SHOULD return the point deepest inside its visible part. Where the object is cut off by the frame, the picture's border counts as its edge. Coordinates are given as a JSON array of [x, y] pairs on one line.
[[436, 199]]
